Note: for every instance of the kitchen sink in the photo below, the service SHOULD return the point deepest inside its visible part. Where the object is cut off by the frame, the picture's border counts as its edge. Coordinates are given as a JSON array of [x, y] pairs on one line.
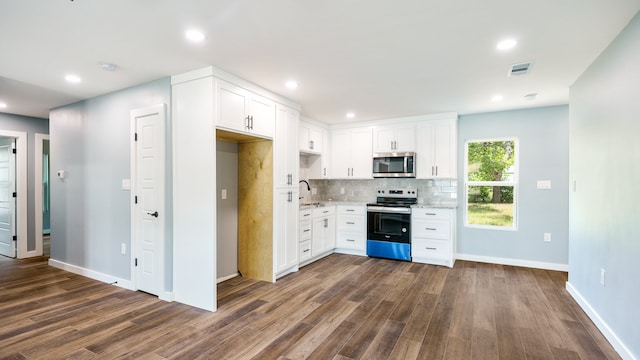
[[313, 204]]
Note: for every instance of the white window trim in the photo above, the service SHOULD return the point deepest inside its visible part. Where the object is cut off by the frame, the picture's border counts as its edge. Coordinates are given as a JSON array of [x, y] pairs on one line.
[[515, 183]]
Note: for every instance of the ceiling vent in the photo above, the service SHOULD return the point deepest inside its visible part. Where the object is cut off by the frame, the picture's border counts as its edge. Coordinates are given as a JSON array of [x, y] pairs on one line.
[[520, 69]]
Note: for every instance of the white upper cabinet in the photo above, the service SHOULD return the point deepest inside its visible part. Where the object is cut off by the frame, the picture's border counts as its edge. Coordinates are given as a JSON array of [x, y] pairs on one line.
[[310, 138], [394, 138], [285, 148], [436, 150], [351, 153], [241, 110]]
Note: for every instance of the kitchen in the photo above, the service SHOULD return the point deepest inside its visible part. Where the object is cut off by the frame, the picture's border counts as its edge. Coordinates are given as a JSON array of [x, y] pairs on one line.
[[545, 139]]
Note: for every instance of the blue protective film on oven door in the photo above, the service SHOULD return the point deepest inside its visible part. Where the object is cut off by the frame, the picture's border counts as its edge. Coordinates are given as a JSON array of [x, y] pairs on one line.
[[389, 250]]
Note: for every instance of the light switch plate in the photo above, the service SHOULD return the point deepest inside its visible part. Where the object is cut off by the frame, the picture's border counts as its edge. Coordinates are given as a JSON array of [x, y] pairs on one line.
[[126, 184], [543, 184]]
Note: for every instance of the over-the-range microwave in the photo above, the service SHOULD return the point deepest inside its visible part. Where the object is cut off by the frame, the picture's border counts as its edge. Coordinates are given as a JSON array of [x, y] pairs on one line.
[[400, 164]]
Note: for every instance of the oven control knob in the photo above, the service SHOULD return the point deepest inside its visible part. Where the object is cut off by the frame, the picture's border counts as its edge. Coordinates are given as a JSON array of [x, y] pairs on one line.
[[404, 230]]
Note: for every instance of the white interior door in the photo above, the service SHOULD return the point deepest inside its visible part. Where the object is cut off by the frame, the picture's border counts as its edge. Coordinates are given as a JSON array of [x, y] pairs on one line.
[[149, 189], [7, 200]]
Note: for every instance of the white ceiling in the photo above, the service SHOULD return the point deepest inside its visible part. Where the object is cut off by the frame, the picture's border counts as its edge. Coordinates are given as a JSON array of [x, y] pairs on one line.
[[377, 58]]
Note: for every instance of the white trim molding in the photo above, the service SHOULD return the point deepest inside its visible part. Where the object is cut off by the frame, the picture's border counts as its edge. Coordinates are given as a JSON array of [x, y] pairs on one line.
[[514, 262], [37, 180], [611, 336], [109, 279]]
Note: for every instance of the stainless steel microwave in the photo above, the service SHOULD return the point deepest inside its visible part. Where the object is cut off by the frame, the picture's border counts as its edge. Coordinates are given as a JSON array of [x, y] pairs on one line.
[[394, 165]]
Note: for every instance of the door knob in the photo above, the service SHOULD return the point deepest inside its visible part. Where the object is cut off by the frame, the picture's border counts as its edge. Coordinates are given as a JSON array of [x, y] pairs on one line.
[[154, 214]]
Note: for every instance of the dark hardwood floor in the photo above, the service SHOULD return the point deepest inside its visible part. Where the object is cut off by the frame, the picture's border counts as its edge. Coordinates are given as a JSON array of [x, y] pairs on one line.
[[341, 307]]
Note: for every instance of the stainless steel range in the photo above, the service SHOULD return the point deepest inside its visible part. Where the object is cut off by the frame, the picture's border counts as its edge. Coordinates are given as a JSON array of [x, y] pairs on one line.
[[389, 224]]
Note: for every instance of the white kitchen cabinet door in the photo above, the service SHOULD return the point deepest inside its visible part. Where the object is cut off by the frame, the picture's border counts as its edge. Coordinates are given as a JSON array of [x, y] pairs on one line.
[[285, 232], [310, 138], [361, 158], [286, 164], [341, 154], [232, 104], [262, 115], [437, 149], [394, 138], [325, 158]]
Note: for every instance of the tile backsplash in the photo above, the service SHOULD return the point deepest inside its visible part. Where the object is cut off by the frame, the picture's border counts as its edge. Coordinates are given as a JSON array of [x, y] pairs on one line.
[[430, 191]]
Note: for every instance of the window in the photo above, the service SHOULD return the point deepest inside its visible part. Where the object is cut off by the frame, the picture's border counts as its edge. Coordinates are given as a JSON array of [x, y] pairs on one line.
[[491, 183]]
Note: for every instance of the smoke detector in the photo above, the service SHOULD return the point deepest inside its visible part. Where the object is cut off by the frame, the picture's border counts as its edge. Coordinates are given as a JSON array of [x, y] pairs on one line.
[[108, 67], [520, 69]]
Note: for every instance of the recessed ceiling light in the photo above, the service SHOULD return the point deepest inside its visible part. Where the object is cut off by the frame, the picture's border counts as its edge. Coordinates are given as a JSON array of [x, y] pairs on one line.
[[291, 84], [73, 78], [497, 98], [506, 44], [194, 35], [350, 115], [3, 105]]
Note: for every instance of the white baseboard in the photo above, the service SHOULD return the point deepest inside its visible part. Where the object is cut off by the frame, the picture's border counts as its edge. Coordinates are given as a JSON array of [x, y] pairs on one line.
[[225, 278], [166, 296], [600, 324], [514, 262], [123, 283]]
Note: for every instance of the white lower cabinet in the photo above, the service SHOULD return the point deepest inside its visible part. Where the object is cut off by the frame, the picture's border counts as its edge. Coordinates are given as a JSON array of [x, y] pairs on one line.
[[433, 238], [351, 229], [316, 233]]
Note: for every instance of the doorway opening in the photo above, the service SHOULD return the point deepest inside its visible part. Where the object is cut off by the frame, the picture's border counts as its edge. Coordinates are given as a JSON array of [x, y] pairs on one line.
[[42, 211]]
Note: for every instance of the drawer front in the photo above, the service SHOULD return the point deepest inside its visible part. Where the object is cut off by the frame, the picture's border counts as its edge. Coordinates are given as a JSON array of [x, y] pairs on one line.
[[351, 210], [304, 251], [350, 240], [431, 213], [351, 223], [438, 229], [324, 211], [305, 230], [306, 214], [427, 248]]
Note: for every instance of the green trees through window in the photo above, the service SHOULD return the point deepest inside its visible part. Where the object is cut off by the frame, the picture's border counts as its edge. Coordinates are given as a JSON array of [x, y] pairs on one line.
[[491, 180]]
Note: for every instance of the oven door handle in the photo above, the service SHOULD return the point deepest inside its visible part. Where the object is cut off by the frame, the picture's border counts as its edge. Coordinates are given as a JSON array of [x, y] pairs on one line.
[[389, 210]]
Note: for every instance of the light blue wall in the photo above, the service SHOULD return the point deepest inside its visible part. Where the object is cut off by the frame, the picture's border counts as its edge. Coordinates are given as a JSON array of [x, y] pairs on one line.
[[543, 135], [90, 213], [31, 126], [604, 224]]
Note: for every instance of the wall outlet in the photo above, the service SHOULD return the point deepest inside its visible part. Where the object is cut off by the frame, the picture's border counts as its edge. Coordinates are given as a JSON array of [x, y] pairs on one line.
[[123, 249], [314, 191], [602, 276], [547, 237], [224, 194], [341, 191], [543, 184]]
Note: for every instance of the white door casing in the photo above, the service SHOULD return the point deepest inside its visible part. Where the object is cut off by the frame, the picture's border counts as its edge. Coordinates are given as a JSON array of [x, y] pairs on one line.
[[147, 193], [21, 190], [7, 200]]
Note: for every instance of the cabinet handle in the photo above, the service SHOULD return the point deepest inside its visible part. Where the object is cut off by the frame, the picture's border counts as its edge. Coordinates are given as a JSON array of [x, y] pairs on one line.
[[431, 248], [351, 210], [247, 126], [306, 230], [432, 229], [350, 223], [251, 118], [430, 214], [324, 171], [325, 211], [289, 196], [311, 144], [436, 170], [304, 251], [326, 222], [306, 215], [351, 240]]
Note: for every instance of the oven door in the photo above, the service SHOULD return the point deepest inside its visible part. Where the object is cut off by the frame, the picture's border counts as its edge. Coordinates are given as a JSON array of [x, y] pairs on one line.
[[390, 224]]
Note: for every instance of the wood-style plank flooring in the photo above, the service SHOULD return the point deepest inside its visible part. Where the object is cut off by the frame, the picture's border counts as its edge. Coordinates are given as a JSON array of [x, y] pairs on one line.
[[341, 307]]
